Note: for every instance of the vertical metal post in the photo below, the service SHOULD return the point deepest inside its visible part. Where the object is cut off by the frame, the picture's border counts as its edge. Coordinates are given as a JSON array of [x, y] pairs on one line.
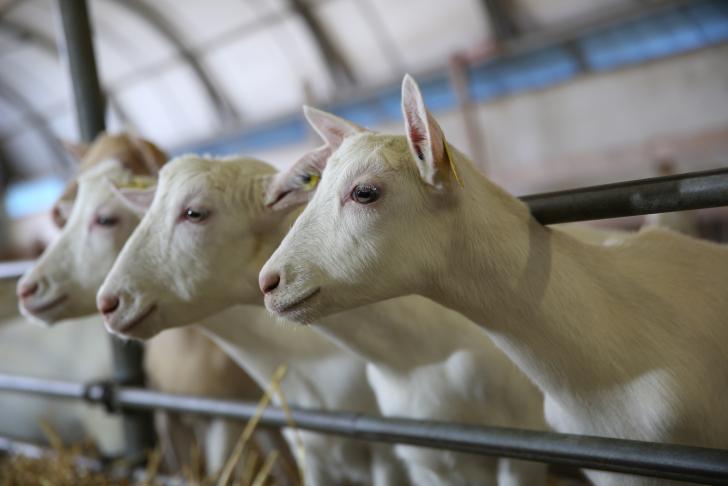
[[90, 109], [474, 133]]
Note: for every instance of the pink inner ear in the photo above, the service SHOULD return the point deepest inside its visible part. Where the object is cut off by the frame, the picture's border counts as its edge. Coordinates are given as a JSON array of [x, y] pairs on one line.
[[417, 137], [58, 215], [335, 131], [417, 130]]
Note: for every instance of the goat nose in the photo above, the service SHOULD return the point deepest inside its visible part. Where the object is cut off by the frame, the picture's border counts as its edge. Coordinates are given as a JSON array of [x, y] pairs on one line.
[[26, 289], [108, 304], [269, 282]]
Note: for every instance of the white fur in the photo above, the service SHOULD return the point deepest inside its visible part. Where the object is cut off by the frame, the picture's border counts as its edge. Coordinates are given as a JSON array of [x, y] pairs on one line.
[[188, 271], [683, 222], [428, 362], [616, 336], [74, 266]]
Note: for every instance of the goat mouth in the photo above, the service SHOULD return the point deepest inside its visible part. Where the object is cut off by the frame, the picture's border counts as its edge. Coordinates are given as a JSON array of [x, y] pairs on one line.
[[125, 328], [298, 303], [48, 305]]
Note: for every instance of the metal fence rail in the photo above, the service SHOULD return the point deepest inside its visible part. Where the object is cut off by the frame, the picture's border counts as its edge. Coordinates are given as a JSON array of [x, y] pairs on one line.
[[14, 269], [695, 464], [680, 192]]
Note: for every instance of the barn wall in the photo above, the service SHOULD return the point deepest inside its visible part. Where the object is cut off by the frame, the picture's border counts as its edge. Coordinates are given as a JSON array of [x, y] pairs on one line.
[[597, 127]]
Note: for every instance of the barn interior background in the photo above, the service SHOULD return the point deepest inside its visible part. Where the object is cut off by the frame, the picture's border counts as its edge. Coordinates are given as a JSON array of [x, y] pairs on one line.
[[542, 94], [545, 94]]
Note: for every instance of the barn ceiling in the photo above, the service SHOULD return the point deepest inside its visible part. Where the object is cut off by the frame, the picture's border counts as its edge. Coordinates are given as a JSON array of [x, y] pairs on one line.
[[185, 70]]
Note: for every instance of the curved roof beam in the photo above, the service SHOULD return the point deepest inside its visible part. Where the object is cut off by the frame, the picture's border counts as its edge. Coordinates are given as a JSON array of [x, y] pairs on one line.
[[36, 120], [341, 73], [8, 6], [501, 17], [45, 43], [48, 46], [159, 22], [383, 36]]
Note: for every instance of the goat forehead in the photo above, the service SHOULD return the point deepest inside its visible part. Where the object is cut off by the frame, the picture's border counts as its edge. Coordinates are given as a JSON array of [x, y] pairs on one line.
[[92, 196], [97, 180], [182, 169], [217, 174], [217, 165], [367, 155]]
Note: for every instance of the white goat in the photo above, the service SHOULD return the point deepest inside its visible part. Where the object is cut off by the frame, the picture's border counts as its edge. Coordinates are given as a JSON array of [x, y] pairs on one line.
[[188, 235], [429, 362], [444, 376], [625, 340], [63, 284]]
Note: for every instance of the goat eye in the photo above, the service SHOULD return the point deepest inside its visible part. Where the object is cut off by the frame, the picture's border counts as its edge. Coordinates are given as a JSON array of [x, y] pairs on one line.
[[365, 193], [195, 215], [106, 220]]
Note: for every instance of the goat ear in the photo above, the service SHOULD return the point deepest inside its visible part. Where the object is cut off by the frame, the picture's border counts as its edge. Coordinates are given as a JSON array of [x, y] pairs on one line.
[[296, 185], [75, 150], [424, 135], [138, 199], [61, 211], [331, 128], [149, 156]]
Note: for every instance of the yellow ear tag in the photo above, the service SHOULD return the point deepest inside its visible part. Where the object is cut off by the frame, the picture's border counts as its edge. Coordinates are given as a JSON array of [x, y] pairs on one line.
[[137, 182], [451, 161], [312, 182]]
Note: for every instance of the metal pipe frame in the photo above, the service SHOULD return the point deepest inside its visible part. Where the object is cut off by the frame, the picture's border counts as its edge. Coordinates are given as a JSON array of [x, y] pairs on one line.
[[338, 67], [47, 46], [81, 60], [14, 269], [683, 463], [79, 51], [35, 119], [680, 192], [149, 13]]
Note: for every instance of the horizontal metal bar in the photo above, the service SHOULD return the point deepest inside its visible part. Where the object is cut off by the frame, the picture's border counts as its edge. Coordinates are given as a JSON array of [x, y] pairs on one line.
[[680, 192], [695, 464], [40, 386], [14, 269]]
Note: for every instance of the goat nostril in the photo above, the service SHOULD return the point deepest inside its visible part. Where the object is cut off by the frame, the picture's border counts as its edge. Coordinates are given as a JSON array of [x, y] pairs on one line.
[[27, 289], [108, 304], [268, 283]]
